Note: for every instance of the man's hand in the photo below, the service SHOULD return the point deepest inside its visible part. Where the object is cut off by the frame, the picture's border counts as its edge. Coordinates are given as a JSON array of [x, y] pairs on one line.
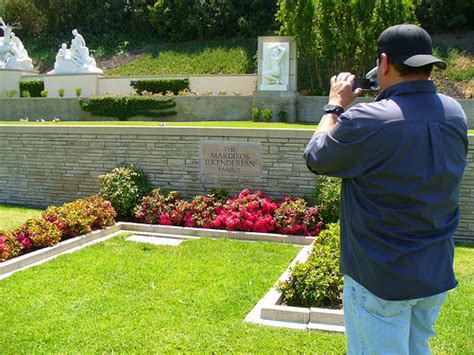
[[341, 90], [341, 94]]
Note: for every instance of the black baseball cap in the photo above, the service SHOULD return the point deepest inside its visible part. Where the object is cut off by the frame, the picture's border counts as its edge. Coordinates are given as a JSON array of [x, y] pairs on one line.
[[408, 44]]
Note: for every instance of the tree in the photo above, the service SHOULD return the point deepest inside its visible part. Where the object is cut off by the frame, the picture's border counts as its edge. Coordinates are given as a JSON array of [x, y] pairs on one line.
[[338, 35]]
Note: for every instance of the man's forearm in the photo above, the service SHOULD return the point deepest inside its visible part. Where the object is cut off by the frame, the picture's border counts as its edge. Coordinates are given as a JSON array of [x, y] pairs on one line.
[[327, 122]]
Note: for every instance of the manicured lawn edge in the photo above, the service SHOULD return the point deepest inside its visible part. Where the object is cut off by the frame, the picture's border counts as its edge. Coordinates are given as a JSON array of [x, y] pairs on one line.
[[268, 310], [42, 255], [19, 263]]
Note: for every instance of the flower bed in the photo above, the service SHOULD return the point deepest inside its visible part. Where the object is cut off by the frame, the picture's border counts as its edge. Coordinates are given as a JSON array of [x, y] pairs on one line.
[[248, 212], [57, 223]]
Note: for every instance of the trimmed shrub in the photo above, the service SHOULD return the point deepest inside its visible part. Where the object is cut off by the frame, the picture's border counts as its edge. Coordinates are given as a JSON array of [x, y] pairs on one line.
[[37, 233], [202, 210], [124, 187], [8, 93], [158, 207], [157, 86], [10, 247], [267, 114], [293, 216], [317, 282], [124, 107], [81, 216], [33, 87], [327, 194], [247, 212], [256, 113]]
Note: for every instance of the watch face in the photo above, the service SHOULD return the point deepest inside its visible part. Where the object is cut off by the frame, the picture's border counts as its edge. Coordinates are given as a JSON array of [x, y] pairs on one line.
[[330, 107]]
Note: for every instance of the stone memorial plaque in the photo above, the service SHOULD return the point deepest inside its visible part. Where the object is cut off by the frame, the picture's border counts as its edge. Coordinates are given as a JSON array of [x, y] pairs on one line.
[[231, 159]]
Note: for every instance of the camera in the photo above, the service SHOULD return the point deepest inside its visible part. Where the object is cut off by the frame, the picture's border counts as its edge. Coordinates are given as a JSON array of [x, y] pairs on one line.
[[370, 81]]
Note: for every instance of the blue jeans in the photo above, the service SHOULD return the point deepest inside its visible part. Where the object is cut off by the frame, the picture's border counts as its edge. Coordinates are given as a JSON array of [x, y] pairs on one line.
[[377, 326]]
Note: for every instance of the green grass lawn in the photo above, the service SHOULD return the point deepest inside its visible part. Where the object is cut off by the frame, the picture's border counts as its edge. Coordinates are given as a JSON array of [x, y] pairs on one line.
[[119, 296], [216, 57], [237, 124], [13, 216]]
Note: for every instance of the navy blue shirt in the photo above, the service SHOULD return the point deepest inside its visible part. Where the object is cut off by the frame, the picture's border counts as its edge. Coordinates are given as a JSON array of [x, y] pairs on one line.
[[401, 159]]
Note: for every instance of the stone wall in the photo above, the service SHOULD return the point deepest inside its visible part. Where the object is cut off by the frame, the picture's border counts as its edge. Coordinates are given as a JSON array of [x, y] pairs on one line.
[[191, 108], [44, 165]]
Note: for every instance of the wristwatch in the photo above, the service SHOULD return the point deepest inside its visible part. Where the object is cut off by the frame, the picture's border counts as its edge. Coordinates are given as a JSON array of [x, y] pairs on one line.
[[330, 108]]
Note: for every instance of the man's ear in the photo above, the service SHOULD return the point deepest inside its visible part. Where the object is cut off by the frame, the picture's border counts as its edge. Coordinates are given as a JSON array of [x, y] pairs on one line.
[[384, 63]]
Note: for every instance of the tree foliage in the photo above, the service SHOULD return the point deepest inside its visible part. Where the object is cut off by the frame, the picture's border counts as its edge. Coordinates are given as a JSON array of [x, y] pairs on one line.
[[337, 35], [181, 20]]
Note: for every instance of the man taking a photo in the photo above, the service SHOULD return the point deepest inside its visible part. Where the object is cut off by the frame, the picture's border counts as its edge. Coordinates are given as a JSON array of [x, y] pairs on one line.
[[401, 159]]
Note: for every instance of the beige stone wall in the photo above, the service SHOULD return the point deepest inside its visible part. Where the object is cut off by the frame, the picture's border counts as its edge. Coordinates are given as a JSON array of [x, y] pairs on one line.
[[44, 165]]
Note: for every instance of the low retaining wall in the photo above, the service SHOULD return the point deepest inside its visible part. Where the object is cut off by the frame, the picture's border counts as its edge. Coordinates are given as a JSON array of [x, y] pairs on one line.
[[191, 108], [44, 165]]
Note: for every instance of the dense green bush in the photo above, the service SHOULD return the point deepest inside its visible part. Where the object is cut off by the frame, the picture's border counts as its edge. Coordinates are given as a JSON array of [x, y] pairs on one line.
[[181, 20], [317, 282], [34, 87], [93, 18], [327, 194], [445, 15], [124, 107], [156, 86], [337, 35], [27, 15], [124, 187]]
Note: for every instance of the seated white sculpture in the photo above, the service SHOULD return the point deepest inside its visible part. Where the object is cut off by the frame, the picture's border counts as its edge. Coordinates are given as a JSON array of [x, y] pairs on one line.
[[13, 54], [75, 59], [273, 75]]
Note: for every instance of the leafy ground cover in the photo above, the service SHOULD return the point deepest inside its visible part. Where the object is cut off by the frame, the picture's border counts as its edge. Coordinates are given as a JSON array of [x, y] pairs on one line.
[[12, 216]]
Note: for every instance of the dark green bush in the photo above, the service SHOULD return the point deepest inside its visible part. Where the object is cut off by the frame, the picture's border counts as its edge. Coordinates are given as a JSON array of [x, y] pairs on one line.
[[156, 86], [34, 87], [124, 107], [124, 187], [183, 20], [445, 15], [327, 194], [43, 18], [317, 282]]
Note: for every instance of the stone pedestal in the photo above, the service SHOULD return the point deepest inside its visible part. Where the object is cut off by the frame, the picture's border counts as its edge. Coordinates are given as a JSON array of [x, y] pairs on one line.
[[69, 82], [276, 101], [10, 79]]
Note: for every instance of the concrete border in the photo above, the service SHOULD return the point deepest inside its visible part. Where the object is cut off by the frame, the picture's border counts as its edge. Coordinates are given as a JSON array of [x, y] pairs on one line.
[[270, 311]]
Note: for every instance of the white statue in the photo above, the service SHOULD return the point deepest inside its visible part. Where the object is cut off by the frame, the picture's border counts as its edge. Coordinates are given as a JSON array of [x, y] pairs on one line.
[[13, 54], [273, 75], [75, 59]]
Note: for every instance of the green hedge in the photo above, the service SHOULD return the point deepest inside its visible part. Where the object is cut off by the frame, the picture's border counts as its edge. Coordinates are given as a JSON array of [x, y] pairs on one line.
[[156, 86], [34, 87], [124, 107], [317, 282]]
